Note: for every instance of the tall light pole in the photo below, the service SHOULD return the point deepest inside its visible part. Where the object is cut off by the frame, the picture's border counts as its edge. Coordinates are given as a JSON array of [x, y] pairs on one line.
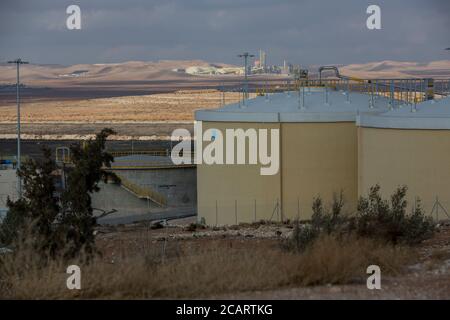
[[447, 49], [18, 62], [246, 55]]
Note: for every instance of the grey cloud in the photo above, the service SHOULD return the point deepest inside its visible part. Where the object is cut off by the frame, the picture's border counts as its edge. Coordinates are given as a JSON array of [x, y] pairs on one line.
[[305, 32]]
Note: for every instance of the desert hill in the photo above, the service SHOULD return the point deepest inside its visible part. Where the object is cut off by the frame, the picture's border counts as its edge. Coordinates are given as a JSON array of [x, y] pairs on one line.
[[398, 69], [134, 73], [58, 75]]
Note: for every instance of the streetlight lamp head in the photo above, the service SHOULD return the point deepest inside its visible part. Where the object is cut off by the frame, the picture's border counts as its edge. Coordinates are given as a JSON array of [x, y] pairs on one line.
[[18, 61], [246, 54]]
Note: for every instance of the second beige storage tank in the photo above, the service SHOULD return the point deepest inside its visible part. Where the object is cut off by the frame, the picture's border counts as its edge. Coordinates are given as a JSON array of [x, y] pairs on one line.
[[409, 147]]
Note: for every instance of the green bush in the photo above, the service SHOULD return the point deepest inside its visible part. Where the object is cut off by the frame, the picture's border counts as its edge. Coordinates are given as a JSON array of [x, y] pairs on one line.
[[376, 218], [388, 220], [322, 221], [328, 221], [302, 236]]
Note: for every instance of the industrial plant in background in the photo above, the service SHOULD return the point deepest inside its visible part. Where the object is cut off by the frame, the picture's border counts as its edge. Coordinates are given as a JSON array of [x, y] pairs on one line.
[[259, 66]]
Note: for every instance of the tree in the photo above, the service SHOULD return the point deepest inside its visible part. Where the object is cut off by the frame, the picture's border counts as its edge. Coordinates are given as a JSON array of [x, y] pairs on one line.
[[77, 221], [60, 223], [38, 206]]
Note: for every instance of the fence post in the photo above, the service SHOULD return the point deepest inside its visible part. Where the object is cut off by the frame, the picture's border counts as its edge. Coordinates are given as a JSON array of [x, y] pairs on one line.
[[217, 215], [278, 208], [437, 208], [235, 211]]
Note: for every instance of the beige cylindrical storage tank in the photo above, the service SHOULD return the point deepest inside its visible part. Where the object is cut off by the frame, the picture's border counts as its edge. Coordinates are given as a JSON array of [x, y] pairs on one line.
[[317, 156], [408, 146]]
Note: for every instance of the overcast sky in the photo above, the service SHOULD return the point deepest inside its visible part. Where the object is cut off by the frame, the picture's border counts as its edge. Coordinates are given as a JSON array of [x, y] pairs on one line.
[[300, 31]]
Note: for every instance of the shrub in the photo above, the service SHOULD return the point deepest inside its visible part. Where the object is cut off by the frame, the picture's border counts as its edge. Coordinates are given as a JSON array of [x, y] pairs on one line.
[[388, 220], [376, 218], [418, 227], [328, 221], [302, 236]]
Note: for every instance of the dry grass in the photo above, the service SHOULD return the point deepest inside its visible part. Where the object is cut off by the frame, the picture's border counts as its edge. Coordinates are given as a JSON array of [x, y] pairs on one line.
[[439, 255], [214, 267], [178, 106], [333, 261]]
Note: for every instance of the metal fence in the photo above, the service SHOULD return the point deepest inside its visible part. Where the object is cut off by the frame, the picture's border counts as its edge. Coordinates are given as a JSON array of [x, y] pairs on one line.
[[399, 91], [233, 212]]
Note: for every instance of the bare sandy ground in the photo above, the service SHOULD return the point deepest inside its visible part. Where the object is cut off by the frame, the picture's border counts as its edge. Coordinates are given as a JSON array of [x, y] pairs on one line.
[[147, 117], [177, 106]]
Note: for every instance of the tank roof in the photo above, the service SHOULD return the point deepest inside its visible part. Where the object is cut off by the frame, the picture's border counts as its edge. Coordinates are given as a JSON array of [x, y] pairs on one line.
[[432, 114], [287, 107]]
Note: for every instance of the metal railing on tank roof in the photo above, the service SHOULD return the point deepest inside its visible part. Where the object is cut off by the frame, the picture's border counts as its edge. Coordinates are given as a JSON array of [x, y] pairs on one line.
[[399, 91]]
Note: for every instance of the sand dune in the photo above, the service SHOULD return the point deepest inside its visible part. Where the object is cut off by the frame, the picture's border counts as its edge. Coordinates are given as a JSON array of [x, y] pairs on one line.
[[398, 69], [57, 75], [102, 74]]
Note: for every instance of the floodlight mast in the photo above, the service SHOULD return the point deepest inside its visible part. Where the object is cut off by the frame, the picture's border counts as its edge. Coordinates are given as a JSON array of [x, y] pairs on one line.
[[246, 55], [18, 62]]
